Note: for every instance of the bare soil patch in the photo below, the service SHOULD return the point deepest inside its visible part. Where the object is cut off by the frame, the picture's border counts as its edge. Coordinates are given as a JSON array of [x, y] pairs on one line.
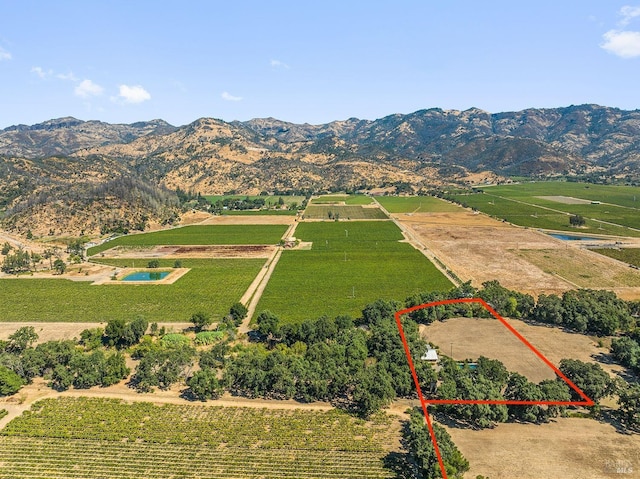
[[191, 251], [479, 248], [568, 448]]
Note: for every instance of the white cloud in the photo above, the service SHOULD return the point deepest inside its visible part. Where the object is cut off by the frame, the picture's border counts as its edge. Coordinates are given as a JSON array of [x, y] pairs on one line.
[[40, 72], [279, 64], [4, 55], [229, 97], [67, 76], [87, 88], [133, 94], [628, 13], [625, 44]]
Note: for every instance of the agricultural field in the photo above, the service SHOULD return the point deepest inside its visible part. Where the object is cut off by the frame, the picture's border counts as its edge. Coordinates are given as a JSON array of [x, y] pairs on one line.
[[626, 255], [344, 212], [260, 213], [348, 266], [199, 235], [416, 204], [211, 285], [86, 438], [548, 205], [342, 199]]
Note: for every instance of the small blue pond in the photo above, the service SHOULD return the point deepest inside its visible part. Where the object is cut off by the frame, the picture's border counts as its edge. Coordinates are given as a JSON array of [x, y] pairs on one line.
[[573, 238], [146, 276], [472, 366]]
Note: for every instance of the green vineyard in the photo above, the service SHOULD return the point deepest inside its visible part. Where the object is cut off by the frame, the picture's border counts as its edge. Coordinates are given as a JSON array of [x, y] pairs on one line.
[[69, 438]]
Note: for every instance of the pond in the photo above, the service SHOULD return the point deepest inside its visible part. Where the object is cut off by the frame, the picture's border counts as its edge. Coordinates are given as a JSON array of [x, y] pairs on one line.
[[573, 237], [146, 276]]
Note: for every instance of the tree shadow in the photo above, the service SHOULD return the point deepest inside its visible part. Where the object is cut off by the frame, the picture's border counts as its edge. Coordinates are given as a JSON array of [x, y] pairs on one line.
[[608, 416], [401, 464]]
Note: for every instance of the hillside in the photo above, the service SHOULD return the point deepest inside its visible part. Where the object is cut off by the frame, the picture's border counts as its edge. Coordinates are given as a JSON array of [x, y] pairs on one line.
[[52, 161]]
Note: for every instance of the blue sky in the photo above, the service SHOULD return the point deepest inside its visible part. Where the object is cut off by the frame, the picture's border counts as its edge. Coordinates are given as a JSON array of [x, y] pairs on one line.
[[311, 62]]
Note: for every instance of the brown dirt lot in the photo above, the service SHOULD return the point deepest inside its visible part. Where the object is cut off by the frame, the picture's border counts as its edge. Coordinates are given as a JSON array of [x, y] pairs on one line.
[[474, 337], [568, 448], [479, 248], [197, 251]]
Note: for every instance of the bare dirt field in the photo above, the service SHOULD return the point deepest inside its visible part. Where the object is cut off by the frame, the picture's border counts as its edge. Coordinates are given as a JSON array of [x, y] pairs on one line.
[[473, 337], [479, 248], [567, 448], [196, 251], [249, 220]]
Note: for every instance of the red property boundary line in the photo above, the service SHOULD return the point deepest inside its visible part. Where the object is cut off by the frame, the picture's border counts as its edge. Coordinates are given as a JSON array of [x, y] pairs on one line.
[[423, 402]]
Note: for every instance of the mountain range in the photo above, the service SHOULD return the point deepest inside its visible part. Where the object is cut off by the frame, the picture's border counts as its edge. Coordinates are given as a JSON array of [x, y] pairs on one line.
[[69, 157]]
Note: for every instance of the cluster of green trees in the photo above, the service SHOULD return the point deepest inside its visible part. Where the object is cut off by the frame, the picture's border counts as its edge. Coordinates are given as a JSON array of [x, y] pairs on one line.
[[18, 261], [626, 351], [358, 368], [63, 363], [583, 310], [489, 379]]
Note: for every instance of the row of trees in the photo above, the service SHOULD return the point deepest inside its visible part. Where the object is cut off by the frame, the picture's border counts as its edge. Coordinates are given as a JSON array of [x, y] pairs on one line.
[[583, 310]]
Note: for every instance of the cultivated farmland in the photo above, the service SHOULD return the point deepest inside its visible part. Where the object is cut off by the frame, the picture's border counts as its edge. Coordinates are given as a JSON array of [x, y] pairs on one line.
[[348, 212], [612, 210], [349, 265], [211, 285], [199, 235], [416, 204], [87, 437]]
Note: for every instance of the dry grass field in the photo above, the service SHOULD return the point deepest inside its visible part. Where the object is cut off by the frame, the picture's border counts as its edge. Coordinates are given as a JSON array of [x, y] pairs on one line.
[[567, 448]]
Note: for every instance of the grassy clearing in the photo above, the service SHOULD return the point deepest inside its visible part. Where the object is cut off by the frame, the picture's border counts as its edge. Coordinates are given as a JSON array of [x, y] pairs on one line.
[[86, 437], [199, 235], [353, 212], [212, 285], [521, 204], [349, 265], [626, 255], [416, 204], [346, 199]]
